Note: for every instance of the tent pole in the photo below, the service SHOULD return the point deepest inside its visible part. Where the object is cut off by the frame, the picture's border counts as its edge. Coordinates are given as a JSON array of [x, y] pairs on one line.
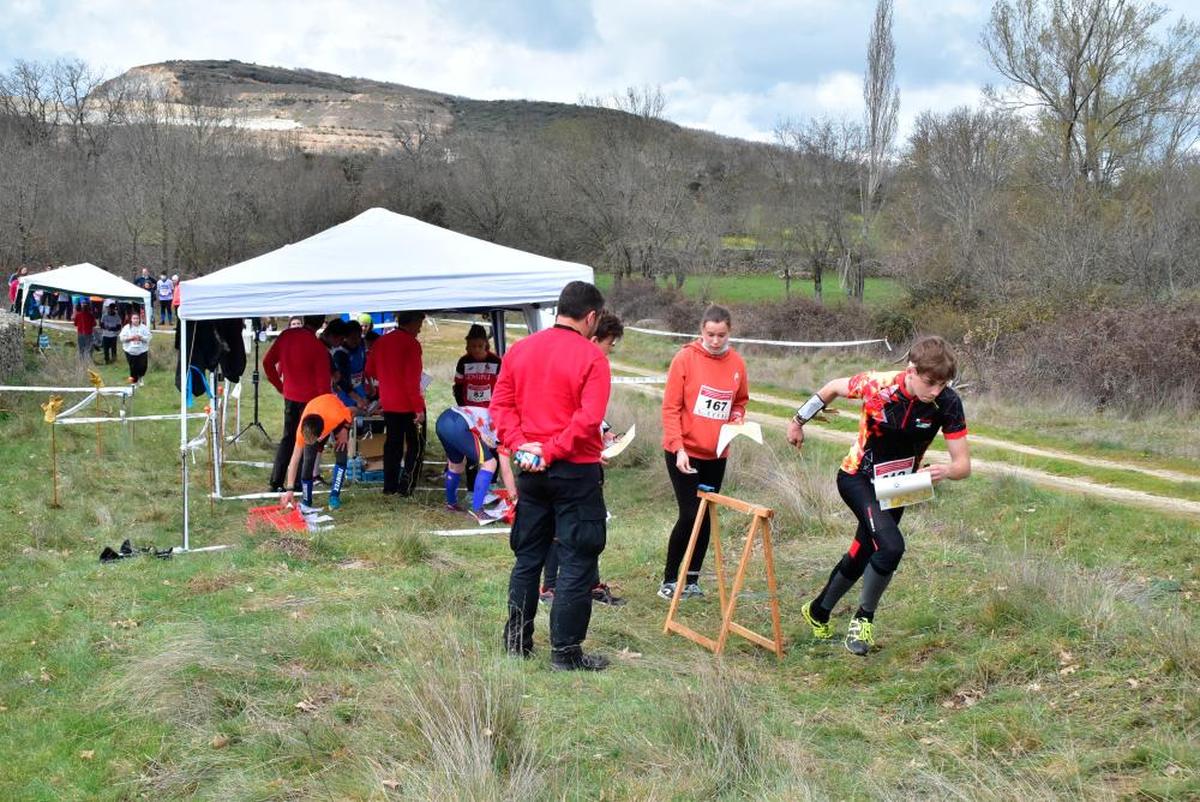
[[184, 378], [498, 331]]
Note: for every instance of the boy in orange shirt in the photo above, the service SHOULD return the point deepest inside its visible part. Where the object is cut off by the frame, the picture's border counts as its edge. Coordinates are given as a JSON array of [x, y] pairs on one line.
[[323, 417]]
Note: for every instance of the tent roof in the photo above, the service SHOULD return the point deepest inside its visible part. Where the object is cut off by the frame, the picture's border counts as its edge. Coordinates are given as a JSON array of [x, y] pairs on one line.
[[379, 261], [86, 279]]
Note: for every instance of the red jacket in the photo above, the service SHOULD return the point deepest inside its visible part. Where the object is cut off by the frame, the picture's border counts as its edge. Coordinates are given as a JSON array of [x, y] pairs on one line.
[[704, 392], [394, 362], [85, 321], [553, 389], [297, 365]]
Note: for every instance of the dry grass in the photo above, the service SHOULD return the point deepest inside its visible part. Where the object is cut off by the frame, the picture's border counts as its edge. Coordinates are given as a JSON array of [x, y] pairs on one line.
[[462, 703]]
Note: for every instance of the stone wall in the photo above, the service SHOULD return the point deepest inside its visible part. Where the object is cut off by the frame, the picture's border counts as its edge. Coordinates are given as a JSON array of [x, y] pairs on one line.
[[11, 346]]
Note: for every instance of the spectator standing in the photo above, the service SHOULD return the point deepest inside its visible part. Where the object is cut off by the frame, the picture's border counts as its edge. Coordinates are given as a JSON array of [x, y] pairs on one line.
[[166, 292], [349, 362], [110, 330], [296, 365], [476, 372], [135, 341], [147, 283], [394, 363], [85, 330], [547, 407]]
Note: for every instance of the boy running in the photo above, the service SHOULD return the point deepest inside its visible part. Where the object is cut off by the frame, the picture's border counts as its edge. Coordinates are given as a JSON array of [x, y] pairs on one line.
[[901, 414]]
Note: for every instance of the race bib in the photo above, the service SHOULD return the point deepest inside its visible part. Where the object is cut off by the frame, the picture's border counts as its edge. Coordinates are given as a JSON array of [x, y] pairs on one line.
[[479, 394], [713, 404], [897, 467]]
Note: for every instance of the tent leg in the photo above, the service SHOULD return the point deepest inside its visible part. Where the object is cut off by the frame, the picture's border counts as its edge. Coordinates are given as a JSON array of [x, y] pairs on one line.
[[498, 331], [184, 377]]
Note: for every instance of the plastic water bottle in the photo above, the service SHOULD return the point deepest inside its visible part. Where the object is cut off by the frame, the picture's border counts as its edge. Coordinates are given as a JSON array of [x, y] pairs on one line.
[[526, 460], [354, 469]]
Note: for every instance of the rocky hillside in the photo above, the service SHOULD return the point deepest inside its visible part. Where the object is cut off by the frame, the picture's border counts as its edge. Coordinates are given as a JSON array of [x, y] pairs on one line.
[[322, 112]]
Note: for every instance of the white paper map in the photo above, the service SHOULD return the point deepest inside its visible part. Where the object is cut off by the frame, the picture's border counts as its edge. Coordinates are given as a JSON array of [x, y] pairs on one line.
[[903, 489], [620, 444], [730, 430]]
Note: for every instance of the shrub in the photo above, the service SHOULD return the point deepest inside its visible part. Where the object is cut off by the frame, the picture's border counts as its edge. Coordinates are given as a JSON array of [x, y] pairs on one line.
[[1132, 358]]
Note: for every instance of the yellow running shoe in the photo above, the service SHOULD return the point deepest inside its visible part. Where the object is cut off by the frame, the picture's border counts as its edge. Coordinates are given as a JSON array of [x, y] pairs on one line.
[[860, 637], [820, 631]]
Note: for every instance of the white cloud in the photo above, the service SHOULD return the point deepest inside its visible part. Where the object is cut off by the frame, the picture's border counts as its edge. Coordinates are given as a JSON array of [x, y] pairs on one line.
[[735, 68]]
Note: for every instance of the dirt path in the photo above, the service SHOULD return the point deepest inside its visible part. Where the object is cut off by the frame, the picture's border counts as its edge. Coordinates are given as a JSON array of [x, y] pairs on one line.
[[1121, 495]]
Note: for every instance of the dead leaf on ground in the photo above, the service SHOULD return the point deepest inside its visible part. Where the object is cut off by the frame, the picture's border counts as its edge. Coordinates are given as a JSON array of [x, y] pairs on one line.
[[306, 706], [391, 785], [87, 754], [963, 699], [1067, 671], [1132, 683], [220, 741], [127, 623]]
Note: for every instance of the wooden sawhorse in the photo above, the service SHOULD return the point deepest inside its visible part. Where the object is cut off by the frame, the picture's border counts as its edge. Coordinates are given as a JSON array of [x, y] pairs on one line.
[[761, 526]]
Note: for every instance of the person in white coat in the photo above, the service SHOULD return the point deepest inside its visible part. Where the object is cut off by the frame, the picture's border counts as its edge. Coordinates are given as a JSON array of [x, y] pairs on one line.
[[135, 341]]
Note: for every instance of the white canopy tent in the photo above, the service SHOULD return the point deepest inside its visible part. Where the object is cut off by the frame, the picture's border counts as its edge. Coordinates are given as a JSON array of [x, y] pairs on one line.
[[377, 261], [84, 279]]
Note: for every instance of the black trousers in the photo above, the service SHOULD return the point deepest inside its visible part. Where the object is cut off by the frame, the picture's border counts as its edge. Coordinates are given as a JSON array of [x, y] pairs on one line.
[[400, 450], [292, 410], [878, 539], [709, 472], [566, 502], [110, 348], [137, 364]]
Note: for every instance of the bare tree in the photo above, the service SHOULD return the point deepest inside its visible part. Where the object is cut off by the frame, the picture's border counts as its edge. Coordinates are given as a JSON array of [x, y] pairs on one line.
[[27, 96], [961, 162], [646, 101], [817, 172], [1109, 87], [882, 99]]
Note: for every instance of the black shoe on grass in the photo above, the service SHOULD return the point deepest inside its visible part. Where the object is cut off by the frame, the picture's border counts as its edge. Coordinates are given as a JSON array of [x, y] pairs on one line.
[[578, 661]]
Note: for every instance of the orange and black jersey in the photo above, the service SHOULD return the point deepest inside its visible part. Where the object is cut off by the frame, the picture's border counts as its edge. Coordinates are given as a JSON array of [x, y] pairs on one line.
[[895, 427]]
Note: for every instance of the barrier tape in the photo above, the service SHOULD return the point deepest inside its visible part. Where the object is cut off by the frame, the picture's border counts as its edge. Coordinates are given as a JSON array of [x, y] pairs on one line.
[[639, 379], [785, 343]]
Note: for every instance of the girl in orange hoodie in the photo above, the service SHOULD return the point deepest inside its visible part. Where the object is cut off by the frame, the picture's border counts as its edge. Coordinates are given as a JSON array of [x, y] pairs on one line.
[[706, 388]]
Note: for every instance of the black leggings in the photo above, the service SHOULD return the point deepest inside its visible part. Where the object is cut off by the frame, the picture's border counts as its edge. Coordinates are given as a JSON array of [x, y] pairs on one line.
[[709, 472], [137, 364], [878, 540]]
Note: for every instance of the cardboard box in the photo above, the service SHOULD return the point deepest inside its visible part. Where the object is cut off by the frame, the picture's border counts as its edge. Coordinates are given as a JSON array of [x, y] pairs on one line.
[[370, 447]]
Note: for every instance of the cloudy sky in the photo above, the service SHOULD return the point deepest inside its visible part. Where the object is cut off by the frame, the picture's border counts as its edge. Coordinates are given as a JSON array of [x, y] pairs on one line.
[[732, 66]]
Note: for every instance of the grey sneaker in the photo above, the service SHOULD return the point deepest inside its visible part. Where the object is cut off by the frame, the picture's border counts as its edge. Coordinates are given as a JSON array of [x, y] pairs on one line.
[[667, 590], [692, 591], [860, 637]]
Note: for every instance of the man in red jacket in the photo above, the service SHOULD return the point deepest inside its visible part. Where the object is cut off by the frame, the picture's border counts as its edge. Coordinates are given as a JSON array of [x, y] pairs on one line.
[[85, 327], [394, 364], [297, 365], [547, 406]]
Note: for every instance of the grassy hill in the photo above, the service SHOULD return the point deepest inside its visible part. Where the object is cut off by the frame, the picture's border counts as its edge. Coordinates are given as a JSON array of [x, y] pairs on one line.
[[1033, 645]]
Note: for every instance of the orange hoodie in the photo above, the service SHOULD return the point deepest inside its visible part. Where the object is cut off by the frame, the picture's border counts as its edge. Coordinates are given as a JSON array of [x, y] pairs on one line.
[[704, 392]]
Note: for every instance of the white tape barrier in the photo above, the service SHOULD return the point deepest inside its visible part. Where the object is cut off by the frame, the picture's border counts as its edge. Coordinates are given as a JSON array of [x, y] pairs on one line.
[[126, 419], [256, 496], [17, 388], [250, 463], [784, 343], [639, 379], [479, 530]]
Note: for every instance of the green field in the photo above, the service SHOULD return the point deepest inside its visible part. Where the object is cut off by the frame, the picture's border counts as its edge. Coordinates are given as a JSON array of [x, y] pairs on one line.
[[760, 288], [1033, 646]]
